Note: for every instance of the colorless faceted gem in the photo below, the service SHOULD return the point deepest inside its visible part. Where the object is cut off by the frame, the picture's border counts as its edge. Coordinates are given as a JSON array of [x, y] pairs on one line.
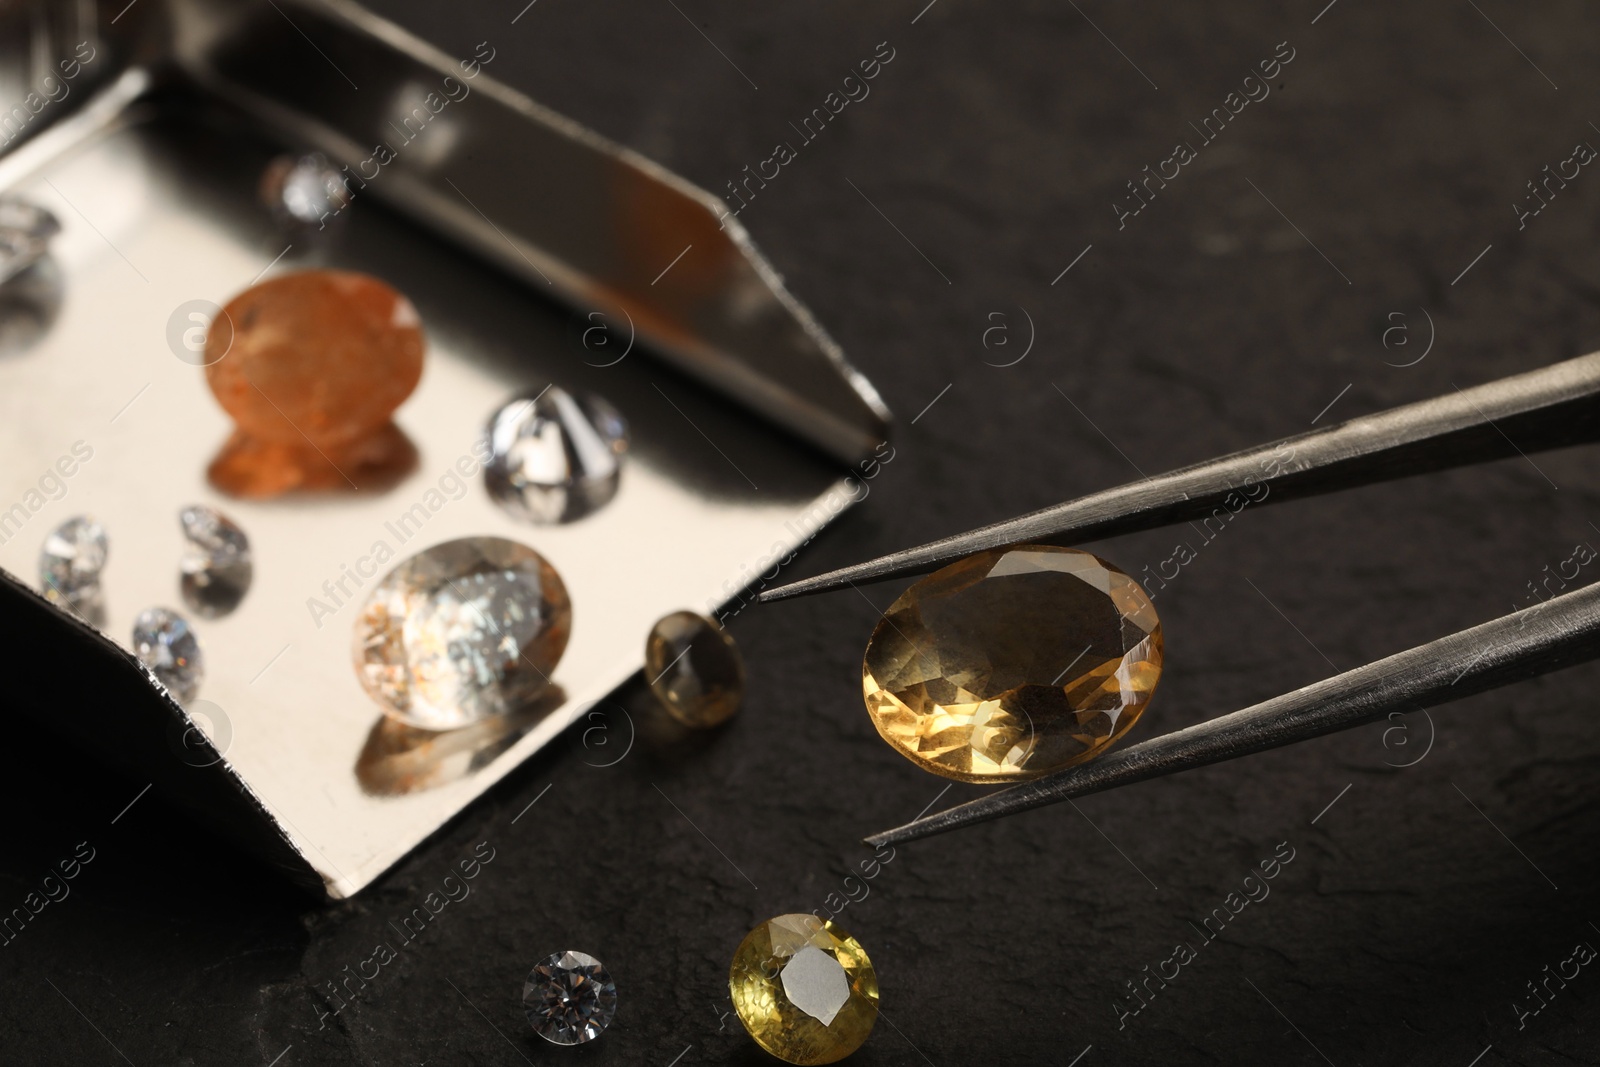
[[570, 998], [555, 457], [461, 632], [25, 232], [70, 564], [215, 564], [164, 643], [304, 191]]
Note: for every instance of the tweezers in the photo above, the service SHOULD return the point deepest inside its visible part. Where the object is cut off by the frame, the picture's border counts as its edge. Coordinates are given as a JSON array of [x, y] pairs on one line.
[[1553, 407]]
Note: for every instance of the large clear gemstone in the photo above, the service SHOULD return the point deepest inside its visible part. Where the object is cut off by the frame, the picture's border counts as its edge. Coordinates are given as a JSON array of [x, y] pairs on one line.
[[1012, 663], [216, 566], [804, 989], [70, 564], [164, 643], [570, 998], [462, 631], [555, 457]]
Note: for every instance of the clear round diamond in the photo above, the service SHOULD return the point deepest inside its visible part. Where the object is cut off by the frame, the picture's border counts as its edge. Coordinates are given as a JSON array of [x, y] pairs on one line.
[[167, 646], [216, 566], [570, 998], [25, 232], [463, 631], [70, 564], [555, 457], [302, 191]]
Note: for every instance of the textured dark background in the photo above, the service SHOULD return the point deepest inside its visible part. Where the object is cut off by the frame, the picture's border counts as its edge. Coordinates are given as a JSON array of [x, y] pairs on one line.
[[1416, 908]]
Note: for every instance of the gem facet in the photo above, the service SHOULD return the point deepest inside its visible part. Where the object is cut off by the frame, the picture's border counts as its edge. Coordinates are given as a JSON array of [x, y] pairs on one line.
[[70, 564], [804, 989], [694, 669], [1012, 663], [555, 457], [164, 643], [216, 564], [462, 631], [570, 998]]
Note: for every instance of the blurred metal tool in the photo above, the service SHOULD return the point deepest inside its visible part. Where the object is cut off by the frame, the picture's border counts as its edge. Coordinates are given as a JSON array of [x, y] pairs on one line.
[[1552, 407], [1548, 408], [1557, 633]]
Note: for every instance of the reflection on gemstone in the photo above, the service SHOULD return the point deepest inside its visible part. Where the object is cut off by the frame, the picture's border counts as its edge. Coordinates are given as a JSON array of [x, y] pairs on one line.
[[70, 565], [29, 305], [694, 669], [461, 632], [570, 998], [167, 646], [555, 457], [1012, 663], [398, 759], [216, 564], [252, 469], [25, 232], [304, 191], [804, 989]]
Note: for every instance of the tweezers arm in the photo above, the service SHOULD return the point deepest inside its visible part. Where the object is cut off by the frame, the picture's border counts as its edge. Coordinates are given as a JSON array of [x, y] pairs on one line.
[[1551, 407], [1545, 637]]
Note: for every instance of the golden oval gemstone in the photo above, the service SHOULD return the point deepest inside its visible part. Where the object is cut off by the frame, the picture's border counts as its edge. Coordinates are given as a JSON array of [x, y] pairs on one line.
[[804, 989], [1012, 663]]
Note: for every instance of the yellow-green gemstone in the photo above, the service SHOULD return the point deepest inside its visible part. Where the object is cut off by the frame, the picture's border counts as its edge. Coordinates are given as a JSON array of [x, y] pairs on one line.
[[804, 989], [1012, 663]]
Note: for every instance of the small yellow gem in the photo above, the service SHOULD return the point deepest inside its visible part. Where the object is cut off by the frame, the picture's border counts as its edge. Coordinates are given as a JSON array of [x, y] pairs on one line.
[[1012, 663], [804, 989]]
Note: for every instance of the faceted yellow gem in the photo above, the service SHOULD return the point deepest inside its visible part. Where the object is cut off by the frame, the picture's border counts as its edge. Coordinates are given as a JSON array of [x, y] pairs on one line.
[[1012, 663], [804, 989]]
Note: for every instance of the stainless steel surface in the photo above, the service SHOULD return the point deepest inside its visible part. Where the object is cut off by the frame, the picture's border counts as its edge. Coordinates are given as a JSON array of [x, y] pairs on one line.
[[547, 199], [1547, 408], [155, 187], [1558, 633]]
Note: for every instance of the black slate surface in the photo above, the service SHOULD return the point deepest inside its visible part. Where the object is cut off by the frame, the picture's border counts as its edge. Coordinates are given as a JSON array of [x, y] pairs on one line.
[[1372, 190]]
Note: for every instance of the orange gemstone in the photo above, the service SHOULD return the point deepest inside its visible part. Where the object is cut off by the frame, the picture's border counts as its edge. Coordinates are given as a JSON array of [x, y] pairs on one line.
[[311, 366], [259, 470]]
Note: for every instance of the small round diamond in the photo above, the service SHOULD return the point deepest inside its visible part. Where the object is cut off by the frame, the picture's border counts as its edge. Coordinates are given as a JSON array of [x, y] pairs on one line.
[[461, 632], [304, 191], [70, 564], [164, 643], [555, 457], [804, 989], [570, 998], [25, 233], [216, 563]]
